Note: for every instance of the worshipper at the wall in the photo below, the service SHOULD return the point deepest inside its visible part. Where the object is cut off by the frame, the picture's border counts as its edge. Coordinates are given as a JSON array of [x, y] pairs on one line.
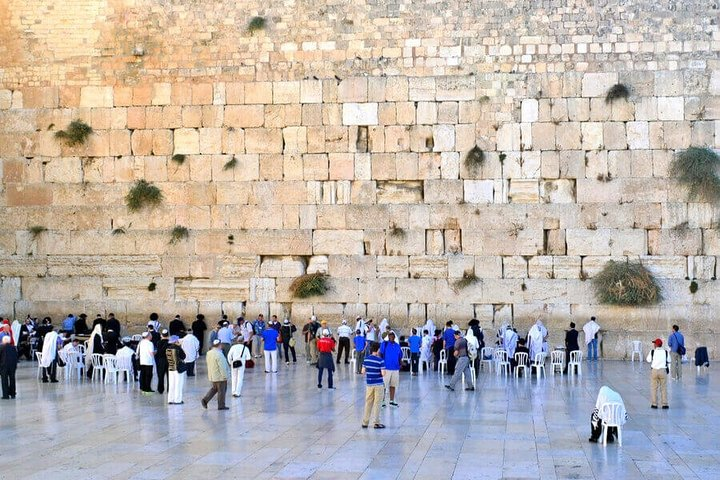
[[344, 333], [521, 348], [218, 372], [392, 356], [287, 332], [8, 365], [99, 320], [510, 341], [384, 327], [198, 330], [225, 336], [415, 344], [449, 346], [161, 364], [95, 346], [176, 327], [191, 346], [426, 348], [258, 327], [473, 349], [26, 337], [154, 335], [438, 345], [126, 356], [591, 330], [360, 325], [270, 349], [605, 395], [360, 344], [175, 356], [71, 347], [372, 332], [155, 322], [536, 338], [112, 342], [374, 369], [237, 356], [571, 344], [460, 352], [429, 326], [15, 330], [68, 325], [326, 346], [81, 326], [114, 325], [146, 355], [477, 331], [49, 357]]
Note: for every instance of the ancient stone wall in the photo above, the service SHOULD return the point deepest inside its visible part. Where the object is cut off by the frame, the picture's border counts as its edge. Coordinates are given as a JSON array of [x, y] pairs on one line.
[[349, 123]]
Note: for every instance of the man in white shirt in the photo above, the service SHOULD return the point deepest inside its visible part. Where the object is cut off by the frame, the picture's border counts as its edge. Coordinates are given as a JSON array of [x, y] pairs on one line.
[[146, 354], [659, 360], [371, 335], [126, 356], [344, 332], [238, 355], [191, 346]]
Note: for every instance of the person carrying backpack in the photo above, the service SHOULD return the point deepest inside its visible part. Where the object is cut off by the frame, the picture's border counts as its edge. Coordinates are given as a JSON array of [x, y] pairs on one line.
[[676, 342], [658, 359]]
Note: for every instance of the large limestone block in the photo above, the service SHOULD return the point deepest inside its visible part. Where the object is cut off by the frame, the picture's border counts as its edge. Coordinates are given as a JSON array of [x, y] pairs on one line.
[[311, 91], [352, 266], [360, 114], [421, 88], [284, 266], [400, 192], [243, 266], [443, 138], [64, 170], [514, 267], [638, 135], [598, 84], [353, 89], [338, 242], [187, 141], [502, 291], [96, 97], [540, 266], [376, 290], [263, 140], [605, 241], [508, 137], [415, 290], [568, 136], [671, 108], [256, 242], [458, 265], [687, 241], [244, 116], [513, 241], [64, 289], [488, 266], [443, 191], [558, 191], [411, 243], [428, 266], [666, 267], [203, 289], [566, 267], [262, 290], [524, 191], [455, 88], [286, 92], [529, 110], [105, 266], [23, 266]]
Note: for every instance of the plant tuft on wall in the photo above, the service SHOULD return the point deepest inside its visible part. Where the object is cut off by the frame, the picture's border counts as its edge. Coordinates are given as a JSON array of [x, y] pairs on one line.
[[232, 163], [36, 230], [309, 285], [474, 158], [152, 287], [396, 231], [75, 134], [693, 286], [256, 24], [119, 231], [697, 169], [468, 278], [143, 194], [626, 283], [617, 92], [178, 158], [178, 233]]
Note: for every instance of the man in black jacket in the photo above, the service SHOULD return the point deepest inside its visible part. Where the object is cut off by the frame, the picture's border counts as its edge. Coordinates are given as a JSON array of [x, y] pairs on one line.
[[198, 329], [177, 327], [8, 365], [161, 363], [571, 343]]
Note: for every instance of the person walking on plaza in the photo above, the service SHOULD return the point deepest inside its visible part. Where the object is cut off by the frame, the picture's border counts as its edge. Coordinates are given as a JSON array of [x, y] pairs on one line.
[[414, 342], [218, 372], [344, 332], [8, 366], [326, 345], [360, 345], [287, 333], [146, 354], [392, 356], [659, 361], [238, 355], [591, 330], [175, 357], [460, 352], [676, 342], [374, 370], [271, 337]]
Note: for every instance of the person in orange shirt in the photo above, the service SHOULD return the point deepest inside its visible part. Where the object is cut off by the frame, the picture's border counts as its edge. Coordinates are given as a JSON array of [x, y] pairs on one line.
[[326, 347]]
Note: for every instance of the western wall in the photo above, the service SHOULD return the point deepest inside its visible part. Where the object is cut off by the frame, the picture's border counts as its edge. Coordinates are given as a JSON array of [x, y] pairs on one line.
[[349, 122]]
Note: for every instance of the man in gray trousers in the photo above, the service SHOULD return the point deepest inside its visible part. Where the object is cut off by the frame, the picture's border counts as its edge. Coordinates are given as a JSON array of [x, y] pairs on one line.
[[462, 365]]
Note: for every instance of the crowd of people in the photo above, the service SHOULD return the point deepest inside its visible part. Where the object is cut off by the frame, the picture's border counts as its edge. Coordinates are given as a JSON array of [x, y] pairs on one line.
[[168, 355]]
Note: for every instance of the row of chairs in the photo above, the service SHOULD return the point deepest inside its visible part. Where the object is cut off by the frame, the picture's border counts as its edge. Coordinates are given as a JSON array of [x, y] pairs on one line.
[[105, 368]]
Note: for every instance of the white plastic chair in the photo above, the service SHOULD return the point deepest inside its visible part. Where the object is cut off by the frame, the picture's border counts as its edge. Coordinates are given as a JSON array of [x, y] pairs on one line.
[[472, 374], [442, 363], [405, 354], [62, 370], [637, 350], [576, 362], [38, 355], [111, 368], [611, 414], [124, 365], [353, 360], [557, 361], [538, 364], [74, 364], [486, 357], [500, 358], [98, 366], [136, 338], [521, 359]]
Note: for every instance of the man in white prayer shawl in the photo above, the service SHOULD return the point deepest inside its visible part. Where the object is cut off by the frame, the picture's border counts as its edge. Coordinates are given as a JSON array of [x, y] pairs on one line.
[[16, 332], [430, 327], [605, 395], [426, 347], [591, 329], [510, 339], [536, 337], [49, 357]]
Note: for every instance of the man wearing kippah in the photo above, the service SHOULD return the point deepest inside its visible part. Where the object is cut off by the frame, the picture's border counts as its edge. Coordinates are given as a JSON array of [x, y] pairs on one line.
[[218, 373]]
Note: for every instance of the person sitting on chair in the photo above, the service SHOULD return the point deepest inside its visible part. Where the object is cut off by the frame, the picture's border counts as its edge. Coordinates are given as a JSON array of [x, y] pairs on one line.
[[605, 395]]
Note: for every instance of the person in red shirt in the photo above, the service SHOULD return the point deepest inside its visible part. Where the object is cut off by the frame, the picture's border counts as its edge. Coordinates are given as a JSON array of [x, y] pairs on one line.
[[326, 347]]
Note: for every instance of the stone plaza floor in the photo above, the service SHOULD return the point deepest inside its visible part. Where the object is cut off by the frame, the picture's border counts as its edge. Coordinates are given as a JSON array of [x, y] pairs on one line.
[[284, 427]]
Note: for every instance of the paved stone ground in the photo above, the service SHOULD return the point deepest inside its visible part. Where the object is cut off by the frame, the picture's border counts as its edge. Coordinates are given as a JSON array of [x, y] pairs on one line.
[[284, 427]]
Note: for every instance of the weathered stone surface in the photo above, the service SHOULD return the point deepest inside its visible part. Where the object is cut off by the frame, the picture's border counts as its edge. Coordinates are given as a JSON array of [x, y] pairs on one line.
[[106, 266], [223, 290]]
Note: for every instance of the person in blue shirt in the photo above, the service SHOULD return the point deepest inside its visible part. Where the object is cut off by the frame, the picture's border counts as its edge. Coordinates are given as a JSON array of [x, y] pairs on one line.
[[449, 346], [676, 342], [270, 337], [360, 345], [374, 370], [69, 323], [258, 327], [415, 342], [392, 355]]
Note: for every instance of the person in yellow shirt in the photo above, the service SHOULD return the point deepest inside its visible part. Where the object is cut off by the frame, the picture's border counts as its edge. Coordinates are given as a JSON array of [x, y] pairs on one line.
[[218, 373]]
